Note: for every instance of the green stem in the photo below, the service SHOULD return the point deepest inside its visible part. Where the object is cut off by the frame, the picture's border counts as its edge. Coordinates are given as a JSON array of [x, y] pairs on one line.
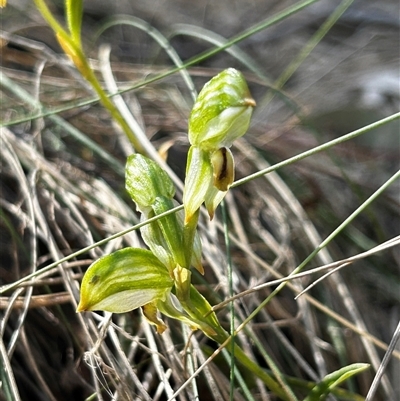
[[48, 16], [71, 46], [223, 338], [281, 390], [267, 379], [198, 308], [232, 304], [74, 12], [109, 105], [274, 368]]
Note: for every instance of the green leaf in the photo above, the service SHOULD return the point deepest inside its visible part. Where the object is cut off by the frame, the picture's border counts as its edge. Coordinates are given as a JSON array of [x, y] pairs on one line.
[[123, 281], [145, 180], [332, 380], [221, 112]]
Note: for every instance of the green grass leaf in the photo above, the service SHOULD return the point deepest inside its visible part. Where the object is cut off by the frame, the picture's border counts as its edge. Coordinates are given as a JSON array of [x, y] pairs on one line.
[[332, 380]]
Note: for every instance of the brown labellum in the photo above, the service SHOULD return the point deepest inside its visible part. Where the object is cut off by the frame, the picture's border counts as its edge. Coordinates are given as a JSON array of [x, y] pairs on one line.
[[223, 169]]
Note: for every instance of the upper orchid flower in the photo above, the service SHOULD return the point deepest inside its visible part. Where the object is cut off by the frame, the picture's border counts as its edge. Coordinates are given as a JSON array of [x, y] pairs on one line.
[[220, 115]]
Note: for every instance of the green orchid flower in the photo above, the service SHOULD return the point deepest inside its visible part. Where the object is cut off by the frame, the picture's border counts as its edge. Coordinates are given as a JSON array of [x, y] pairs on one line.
[[152, 190], [123, 281], [220, 115], [131, 278]]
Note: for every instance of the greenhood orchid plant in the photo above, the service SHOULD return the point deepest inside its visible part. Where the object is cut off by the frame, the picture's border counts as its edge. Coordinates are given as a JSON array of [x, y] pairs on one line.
[[158, 279], [161, 278], [155, 279]]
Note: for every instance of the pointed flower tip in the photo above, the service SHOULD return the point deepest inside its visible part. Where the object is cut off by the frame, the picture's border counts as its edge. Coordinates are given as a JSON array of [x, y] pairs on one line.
[[200, 269], [150, 312], [249, 101], [190, 213], [81, 308], [188, 218]]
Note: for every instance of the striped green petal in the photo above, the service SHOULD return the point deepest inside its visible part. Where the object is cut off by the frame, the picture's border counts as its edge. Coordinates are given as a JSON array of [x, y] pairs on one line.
[[199, 176], [154, 239]]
